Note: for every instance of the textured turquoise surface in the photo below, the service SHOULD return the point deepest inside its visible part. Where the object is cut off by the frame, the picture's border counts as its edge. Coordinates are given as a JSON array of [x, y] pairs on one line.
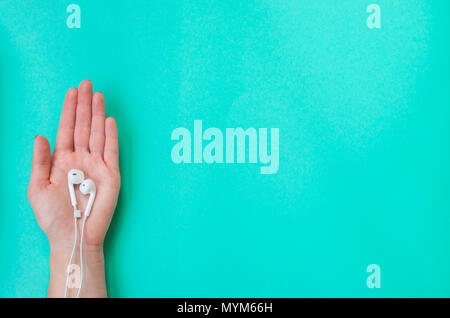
[[364, 119]]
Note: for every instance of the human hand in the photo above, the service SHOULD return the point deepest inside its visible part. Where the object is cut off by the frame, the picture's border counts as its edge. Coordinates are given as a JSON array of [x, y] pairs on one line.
[[88, 142]]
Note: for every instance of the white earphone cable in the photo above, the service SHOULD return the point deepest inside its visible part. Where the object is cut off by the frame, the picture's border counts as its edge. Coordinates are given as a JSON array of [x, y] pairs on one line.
[[73, 250], [87, 186], [81, 254]]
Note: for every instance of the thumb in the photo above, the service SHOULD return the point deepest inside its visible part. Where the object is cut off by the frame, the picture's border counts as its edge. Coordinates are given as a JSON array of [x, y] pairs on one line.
[[40, 167]]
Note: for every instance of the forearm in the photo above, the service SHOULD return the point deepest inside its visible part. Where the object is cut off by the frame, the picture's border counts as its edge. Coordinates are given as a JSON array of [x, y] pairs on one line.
[[94, 284]]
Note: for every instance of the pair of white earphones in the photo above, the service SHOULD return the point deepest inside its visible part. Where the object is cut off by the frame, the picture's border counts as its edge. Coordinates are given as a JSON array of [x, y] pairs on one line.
[[86, 187]]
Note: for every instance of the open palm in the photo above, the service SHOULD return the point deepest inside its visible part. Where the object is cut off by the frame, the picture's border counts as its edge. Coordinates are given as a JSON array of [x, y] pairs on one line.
[[85, 141]]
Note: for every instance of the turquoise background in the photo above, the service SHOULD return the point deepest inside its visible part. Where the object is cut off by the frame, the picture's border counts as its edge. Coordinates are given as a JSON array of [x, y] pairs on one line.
[[364, 143]]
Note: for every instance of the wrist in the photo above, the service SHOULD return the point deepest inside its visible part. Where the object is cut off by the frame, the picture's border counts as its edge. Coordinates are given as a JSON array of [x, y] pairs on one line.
[[59, 248], [93, 269]]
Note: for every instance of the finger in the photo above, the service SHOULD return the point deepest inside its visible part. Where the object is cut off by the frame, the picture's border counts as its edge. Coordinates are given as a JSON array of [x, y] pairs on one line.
[[111, 154], [97, 138], [64, 138], [40, 165], [83, 117]]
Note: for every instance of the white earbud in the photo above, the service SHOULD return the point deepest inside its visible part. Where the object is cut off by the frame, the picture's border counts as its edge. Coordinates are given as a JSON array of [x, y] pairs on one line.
[[88, 187], [74, 177]]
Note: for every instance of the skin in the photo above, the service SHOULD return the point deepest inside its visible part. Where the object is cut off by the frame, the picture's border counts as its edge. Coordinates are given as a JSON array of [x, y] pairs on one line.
[[88, 142]]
